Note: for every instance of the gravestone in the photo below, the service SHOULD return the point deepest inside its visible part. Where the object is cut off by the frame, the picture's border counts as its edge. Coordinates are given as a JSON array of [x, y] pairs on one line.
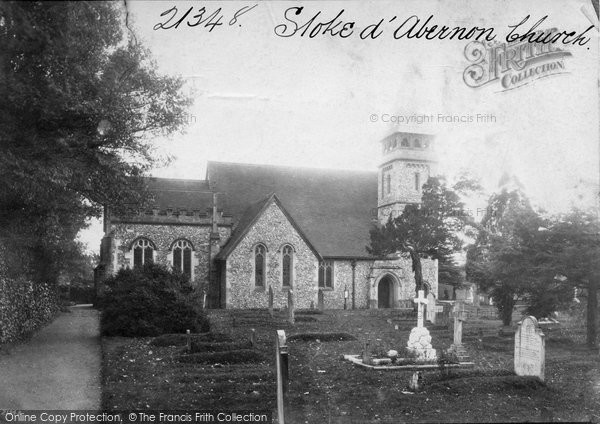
[[530, 349], [291, 317], [459, 317], [415, 381], [321, 300], [431, 308], [366, 354], [281, 363], [442, 317], [419, 340], [271, 301]]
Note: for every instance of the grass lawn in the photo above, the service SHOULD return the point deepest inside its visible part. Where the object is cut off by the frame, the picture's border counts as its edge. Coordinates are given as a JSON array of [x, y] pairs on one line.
[[325, 389]]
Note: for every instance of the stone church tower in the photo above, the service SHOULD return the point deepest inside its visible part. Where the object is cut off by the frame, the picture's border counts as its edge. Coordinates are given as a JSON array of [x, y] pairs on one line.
[[407, 162]]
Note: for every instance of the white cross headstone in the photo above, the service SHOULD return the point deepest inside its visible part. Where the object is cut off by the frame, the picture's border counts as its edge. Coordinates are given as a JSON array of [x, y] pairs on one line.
[[420, 301]]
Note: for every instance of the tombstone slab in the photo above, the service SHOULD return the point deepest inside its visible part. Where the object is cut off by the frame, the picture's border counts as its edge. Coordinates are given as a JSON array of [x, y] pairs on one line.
[[530, 349]]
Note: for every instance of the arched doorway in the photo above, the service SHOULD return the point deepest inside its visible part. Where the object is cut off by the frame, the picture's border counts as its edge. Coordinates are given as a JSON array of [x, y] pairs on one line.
[[386, 292]]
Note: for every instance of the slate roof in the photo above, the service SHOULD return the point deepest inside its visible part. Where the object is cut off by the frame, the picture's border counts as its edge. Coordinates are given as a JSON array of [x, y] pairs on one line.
[[334, 208], [180, 194]]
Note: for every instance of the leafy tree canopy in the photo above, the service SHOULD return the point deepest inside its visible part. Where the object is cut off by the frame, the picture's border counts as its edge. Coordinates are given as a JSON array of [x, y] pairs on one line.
[[80, 102], [433, 228]]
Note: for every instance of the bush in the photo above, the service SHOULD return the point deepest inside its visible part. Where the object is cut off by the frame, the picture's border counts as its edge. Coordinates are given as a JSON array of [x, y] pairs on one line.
[[228, 357], [24, 307], [149, 301], [181, 339]]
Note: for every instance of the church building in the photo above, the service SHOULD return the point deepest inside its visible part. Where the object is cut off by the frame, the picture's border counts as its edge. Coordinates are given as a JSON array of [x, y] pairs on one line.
[[245, 228]]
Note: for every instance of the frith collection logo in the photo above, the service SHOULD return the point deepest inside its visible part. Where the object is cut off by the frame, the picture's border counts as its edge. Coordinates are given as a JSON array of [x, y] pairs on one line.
[[513, 64]]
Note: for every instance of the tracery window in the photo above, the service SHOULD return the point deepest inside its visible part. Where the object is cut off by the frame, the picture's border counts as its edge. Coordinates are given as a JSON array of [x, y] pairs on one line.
[[143, 252], [259, 265], [182, 257], [287, 263], [326, 274]]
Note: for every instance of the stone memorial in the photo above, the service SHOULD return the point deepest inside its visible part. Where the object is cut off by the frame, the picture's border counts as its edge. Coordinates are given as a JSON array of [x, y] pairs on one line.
[[366, 354], [291, 318], [281, 363], [419, 341], [271, 301], [530, 349], [431, 308], [459, 316], [321, 300]]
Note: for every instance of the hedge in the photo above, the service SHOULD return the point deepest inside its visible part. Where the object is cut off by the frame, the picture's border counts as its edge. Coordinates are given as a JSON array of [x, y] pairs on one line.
[[24, 307]]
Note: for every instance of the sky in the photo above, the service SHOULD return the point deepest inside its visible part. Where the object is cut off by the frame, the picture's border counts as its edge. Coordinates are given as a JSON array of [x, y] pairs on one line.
[[327, 101]]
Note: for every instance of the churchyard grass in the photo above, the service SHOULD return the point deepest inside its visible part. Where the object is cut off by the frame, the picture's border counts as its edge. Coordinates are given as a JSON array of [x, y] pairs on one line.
[[324, 388]]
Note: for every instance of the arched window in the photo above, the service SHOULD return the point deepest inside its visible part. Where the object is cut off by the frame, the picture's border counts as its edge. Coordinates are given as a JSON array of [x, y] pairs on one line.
[[417, 181], [326, 274], [182, 257], [287, 265], [404, 142], [417, 143], [143, 252], [259, 265]]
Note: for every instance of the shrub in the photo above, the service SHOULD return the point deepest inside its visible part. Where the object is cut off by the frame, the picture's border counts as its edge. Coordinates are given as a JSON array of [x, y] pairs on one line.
[[228, 357], [181, 339], [323, 337], [149, 301], [24, 307]]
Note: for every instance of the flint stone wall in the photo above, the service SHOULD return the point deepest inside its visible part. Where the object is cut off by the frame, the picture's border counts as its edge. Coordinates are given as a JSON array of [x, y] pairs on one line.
[[342, 277], [163, 236], [274, 231]]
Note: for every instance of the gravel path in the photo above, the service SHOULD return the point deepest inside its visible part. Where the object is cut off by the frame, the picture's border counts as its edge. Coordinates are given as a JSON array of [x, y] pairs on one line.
[[59, 368]]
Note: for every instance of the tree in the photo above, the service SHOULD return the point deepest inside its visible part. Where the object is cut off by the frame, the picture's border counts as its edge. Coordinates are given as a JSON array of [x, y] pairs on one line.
[[79, 103], [567, 254], [431, 229], [500, 260]]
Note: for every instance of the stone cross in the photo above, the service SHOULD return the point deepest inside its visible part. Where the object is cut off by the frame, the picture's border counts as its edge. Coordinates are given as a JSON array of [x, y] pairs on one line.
[[291, 318], [420, 301], [271, 301], [281, 362]]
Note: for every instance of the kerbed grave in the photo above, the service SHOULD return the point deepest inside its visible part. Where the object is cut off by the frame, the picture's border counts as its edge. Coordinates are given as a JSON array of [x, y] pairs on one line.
[[421, 355]]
